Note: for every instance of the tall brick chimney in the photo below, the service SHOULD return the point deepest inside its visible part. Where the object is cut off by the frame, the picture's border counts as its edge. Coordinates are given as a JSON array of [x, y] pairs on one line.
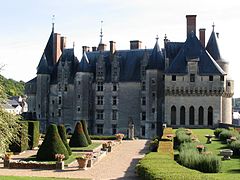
[[57, 47], [202, 36], [135, 44], [94, 48], [63, 43], [85, 49], [191, 24], [112, 47]]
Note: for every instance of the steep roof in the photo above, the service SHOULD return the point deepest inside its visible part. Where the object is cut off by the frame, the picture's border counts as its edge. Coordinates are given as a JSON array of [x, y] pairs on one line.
[[192, 49], [156, 60], [43, 67], [84, 65], [212, 47]]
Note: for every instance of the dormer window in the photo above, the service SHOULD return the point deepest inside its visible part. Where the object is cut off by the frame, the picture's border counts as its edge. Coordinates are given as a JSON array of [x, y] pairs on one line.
[[192, 77], [173, 77]]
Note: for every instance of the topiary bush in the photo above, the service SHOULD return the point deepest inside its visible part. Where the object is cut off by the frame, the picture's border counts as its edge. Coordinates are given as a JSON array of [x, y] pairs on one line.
[[235, 146], [85, 129], [218, 131], [51, 145], [63, 135], [227, 134], [33, 134], [78, 138], [21, 144], [182, 137]]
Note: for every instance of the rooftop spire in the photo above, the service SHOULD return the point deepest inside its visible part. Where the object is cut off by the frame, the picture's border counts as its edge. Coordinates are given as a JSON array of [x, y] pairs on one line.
[[157, 37], [53, 22], [213, 26], [101, 33]]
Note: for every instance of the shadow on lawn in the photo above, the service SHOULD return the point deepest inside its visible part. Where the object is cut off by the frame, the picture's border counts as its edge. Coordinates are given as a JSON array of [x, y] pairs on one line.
[[233, 171]]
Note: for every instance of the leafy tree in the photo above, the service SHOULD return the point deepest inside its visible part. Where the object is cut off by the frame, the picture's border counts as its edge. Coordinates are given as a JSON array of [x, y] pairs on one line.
[[63, 135], [78, 138], [51, 145]]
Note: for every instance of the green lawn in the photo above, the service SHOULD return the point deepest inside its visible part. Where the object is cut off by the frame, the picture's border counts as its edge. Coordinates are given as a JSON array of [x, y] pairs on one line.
[[230, 168], [91, 147], [35, 178]]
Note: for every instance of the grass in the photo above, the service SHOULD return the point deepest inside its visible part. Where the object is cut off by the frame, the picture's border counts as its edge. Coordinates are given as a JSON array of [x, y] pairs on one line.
[[230, 168], [35, 178], [91, 147]]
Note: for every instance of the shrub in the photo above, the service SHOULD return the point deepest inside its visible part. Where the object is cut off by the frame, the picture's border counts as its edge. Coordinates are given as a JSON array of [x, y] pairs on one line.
[[85, 129], [52, 144], [153, 146], [218, 131], [227, 134], [96, 137], [33, 133], [63, 135], [235, 146], [158, 166], [182, 137], [22, 142], [78, 138]]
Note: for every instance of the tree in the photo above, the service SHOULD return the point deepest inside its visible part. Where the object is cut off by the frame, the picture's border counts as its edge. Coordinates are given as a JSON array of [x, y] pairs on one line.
[[78, 138], [51, 145], [63, 135], [9, 126], [85, 129]]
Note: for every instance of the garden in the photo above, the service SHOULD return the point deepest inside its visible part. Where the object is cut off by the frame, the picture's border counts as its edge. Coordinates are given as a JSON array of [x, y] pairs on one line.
[[193, 154]]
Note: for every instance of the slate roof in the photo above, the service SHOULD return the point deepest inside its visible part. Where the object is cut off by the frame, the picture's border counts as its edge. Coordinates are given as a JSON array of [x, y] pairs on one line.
[[192, 49], [43, 67], [84, 65], [156, 60], [212, 47]]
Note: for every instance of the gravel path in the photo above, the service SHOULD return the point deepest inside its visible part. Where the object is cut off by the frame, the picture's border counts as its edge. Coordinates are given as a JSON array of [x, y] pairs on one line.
[[119, 164]]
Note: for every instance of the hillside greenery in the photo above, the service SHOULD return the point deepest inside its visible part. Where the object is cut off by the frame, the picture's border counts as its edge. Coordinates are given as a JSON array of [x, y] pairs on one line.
[[11, 87]]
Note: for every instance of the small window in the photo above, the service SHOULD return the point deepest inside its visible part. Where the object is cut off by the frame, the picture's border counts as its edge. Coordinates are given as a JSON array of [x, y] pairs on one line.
[[39, 106], [153, 110], [114, 87], [153, 94], [114, 114], [143, 101], [153, 126], [210, 78], [79, 96], [99, 128], [163, 77], [143, 130], [59, 100], [100, 114], [143, 116], [79, 82], [153, 81], [78, 109], [65, 87], [59, 113], [114, 100], [53, 101], [229, 84], [52, 114], [114, 129], [221, 78], [192, 77], [99, 86], [143, 86], [173, 77], [99, 100]]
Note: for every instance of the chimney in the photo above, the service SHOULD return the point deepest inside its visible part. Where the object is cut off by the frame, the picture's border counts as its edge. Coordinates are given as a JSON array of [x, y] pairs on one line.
[[63, 43], [84, 49], [136, 44], [112, 47], [101, 47], [191, 24], [94, 48], [57, 47], [202, 36]]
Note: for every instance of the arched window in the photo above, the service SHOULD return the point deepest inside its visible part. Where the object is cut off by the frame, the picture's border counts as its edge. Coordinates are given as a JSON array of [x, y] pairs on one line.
[[210, 116], [173, 115], [182, 115], [200, 115], [191, 115]]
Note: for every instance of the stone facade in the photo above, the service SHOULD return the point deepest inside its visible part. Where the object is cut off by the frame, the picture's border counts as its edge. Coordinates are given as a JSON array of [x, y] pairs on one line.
[[185, 84]]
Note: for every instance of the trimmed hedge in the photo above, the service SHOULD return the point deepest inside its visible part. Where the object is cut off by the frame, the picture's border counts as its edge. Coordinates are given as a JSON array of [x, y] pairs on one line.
[[63, 135], [218, 131], [97, 137], [78, 138], [235, 146], [161, 166], [33, 133], [153, 146], [227, 134], [85, 129], [52, 144], [22, 143]]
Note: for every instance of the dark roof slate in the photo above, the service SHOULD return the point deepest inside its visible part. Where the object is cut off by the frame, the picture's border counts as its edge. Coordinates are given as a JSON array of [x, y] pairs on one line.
[[156, 60], [192, 49], [43, 67], [84, 65], [212, 47]]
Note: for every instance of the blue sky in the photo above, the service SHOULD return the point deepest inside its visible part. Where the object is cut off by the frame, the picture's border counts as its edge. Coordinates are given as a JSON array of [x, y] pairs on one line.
[[26, 26]]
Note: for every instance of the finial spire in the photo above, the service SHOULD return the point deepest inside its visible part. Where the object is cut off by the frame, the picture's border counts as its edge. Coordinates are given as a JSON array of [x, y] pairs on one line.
[[213, 26], [73, 44], [101, 33], [157, 37], [53, 21]]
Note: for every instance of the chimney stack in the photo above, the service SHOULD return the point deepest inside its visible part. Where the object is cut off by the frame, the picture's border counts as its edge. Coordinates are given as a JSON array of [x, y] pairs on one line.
[[112, 47], [84, 49], [57, 47], [63, 43], [94, 48], [136, 44], [202, 36], [191, 24]]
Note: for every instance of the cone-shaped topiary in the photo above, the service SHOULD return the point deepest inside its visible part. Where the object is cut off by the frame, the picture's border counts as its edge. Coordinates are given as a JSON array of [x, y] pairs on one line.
[[84, 125], [63, 135], [78, 138], [51, 145]]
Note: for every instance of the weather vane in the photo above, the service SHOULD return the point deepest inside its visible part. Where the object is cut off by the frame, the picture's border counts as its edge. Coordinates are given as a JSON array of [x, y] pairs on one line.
[[101, 33], [53, 20]]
